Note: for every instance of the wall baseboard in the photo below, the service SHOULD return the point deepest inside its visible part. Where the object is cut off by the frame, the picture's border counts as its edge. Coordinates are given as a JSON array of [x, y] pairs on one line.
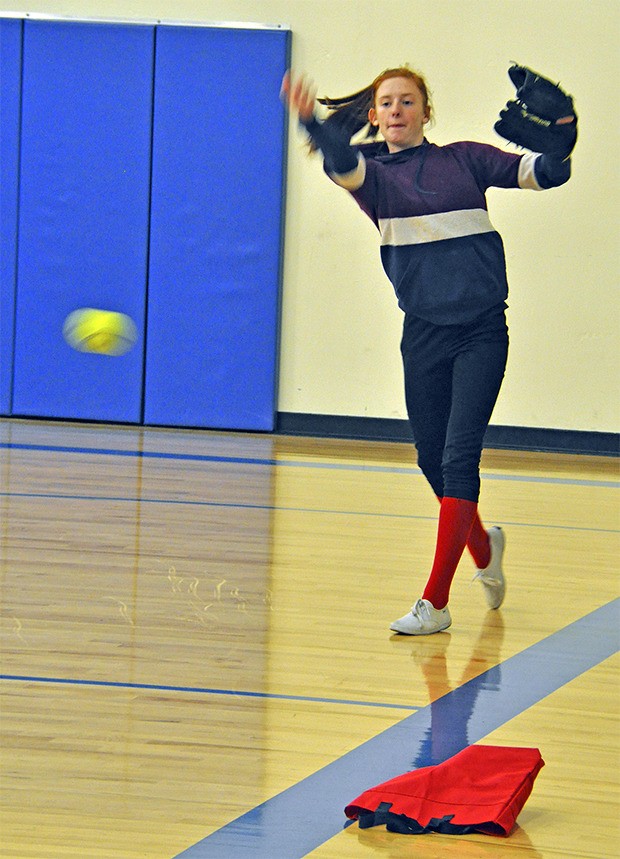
[[498, 437]]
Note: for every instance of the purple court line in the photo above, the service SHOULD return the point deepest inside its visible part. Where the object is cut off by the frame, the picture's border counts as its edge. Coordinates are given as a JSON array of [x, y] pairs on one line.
[[301, 818]]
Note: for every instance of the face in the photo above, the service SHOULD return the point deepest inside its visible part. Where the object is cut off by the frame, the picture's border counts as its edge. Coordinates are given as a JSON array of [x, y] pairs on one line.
[[399, 113]]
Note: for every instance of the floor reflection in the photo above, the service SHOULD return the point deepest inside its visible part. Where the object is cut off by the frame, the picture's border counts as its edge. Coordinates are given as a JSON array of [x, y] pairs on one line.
[[452, 704]]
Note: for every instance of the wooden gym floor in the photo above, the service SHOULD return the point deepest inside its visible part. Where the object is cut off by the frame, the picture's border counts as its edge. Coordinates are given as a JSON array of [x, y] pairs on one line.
[[196, 660]]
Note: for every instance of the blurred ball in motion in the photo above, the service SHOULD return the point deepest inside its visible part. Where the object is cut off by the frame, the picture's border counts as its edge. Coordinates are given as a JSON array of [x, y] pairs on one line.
[[102, 332]]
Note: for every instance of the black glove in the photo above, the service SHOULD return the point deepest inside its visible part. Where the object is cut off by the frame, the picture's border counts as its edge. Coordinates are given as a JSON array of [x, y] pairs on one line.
[[531, 120]]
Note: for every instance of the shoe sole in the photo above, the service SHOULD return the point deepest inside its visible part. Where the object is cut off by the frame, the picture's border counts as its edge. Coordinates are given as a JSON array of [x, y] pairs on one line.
[[421, 631]]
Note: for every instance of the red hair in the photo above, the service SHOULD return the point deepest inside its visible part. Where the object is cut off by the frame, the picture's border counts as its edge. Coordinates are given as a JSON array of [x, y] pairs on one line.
[[405, 72]]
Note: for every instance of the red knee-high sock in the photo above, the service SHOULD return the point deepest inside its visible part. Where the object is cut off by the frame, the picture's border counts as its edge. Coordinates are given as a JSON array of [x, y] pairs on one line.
[[455, 521], [478, 542]]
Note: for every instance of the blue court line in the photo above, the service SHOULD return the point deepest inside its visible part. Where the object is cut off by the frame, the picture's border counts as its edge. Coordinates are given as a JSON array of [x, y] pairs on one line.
[[301, 818], [290, 463], [238, 505], [200, 690], [136, 454]]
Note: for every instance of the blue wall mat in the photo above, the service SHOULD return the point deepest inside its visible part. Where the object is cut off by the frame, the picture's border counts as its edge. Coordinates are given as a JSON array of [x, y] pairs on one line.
[[83, 240], [10, 93], [214, 279]]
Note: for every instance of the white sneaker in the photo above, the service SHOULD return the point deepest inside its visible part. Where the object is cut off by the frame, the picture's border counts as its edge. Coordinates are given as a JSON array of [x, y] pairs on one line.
[[492, 577], [423, 619]]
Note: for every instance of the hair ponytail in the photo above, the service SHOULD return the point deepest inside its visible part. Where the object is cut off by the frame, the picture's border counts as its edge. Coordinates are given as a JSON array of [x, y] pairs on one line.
[[349, 114]]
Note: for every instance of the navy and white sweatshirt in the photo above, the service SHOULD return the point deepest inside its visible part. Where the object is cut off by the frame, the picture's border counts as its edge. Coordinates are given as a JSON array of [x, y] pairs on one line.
[[438, 246]]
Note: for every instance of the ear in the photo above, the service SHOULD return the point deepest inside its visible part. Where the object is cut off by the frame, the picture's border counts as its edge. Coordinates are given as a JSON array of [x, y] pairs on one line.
[[372, 117]]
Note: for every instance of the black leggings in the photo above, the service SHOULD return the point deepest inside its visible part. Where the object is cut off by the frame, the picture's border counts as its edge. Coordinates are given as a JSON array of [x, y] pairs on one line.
[[453, 374]]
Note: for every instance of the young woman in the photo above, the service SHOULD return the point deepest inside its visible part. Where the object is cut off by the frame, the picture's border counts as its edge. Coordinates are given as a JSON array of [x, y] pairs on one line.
[[447, 265]]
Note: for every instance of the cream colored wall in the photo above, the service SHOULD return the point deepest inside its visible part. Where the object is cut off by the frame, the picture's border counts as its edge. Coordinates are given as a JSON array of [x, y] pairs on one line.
[[341, 325]]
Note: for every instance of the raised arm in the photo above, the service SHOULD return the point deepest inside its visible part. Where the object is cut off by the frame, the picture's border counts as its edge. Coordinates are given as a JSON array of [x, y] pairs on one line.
[[541, 118], [300, 97]]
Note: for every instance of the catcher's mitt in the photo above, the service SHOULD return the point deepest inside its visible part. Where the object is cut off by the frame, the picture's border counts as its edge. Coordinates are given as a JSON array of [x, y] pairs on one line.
[[542, 118]]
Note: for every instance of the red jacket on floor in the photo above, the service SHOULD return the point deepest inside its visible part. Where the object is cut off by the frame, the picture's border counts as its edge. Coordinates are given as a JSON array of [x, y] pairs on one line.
[[481, 789]]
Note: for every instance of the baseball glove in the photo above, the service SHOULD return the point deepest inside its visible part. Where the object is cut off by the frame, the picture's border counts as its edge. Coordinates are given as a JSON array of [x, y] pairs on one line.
[[542, 118]]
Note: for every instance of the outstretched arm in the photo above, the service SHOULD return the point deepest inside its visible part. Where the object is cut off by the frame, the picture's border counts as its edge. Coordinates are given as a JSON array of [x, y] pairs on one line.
[[541, 118], [300, 97]]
